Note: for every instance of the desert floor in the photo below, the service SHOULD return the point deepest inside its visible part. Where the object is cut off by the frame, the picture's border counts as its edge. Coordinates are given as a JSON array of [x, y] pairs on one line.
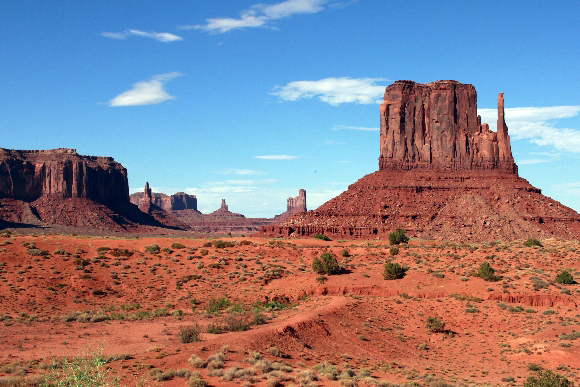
[[64, 296]]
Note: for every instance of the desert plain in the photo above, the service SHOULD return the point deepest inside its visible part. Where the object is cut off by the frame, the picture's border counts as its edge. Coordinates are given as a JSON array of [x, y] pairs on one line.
[[251, 311]]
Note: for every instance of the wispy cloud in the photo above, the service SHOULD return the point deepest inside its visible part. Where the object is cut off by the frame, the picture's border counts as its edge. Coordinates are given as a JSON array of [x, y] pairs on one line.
[[232, 171], [343, 127], [242, 182], [261, 15], [334, 91], [165, 37], [276, 157], [532, 161], [537, 124], [145, 92], [332, 142]]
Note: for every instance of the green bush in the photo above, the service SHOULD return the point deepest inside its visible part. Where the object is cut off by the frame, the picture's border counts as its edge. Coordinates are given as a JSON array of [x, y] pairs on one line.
[[398, 237], [394, 251], [487, 273], [327, 264], [564, 278], [79, 372], [321, 237], [177, 246], [189, 334], [393, 271], [531, 242], [547, 379], [153, 249], [433, 324]]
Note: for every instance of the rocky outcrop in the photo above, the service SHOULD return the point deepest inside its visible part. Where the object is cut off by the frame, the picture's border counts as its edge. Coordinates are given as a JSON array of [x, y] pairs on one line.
[[435, 126], [59, 187], [28, 175], [442, 175], [176, 202], [224, 212], [297, 204]]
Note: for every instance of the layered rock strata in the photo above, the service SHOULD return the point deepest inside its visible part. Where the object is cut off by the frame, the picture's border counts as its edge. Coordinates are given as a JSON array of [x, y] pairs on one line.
[[435, 126], [61, 187], [30, 174], [442, 175]]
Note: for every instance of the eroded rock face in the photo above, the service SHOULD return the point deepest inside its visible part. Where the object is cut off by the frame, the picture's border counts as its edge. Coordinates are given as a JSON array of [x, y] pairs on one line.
[[436, 126], [298, 203], [28, 175], [176, 202]]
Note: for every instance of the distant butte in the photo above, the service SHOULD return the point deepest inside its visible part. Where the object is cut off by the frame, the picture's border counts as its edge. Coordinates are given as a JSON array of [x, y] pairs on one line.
[[442, 175]]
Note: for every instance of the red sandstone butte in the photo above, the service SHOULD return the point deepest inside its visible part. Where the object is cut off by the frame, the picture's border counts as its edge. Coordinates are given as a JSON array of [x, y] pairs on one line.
[[62, 187], [442, 175]]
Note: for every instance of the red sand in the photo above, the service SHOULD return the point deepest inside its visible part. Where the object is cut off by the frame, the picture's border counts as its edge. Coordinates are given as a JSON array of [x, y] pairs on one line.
[[356, 317]]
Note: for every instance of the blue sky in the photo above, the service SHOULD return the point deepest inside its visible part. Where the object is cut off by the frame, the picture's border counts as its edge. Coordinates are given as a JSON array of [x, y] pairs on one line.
[[252, 101]]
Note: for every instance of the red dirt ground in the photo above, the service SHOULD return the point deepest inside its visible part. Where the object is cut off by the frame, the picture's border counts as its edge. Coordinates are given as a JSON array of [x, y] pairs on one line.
[[358, 320]]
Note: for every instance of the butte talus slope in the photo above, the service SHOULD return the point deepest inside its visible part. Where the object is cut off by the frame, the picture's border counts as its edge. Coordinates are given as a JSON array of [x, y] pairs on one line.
[[442, 175]]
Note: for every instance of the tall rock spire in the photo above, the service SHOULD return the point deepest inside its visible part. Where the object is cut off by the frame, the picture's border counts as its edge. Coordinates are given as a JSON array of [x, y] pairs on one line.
[[503, 139]]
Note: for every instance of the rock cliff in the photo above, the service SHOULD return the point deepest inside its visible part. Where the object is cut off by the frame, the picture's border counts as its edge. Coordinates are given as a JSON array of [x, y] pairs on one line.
[[436, 126], [63, 188], [442, 175], [28, 175]]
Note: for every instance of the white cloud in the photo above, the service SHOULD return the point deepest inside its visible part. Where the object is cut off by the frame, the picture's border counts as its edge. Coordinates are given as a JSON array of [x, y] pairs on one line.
[[261, 15], [145, 92], [332, 142], [242, 182], [532, 161], [276, 157], [537, 125], [334, 91], [232, 171], [165, 37], [343, 127]]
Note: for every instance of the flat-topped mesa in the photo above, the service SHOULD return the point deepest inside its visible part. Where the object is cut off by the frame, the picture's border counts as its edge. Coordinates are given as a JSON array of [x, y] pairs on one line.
[[435, 126], [297, 204], [28, 175]]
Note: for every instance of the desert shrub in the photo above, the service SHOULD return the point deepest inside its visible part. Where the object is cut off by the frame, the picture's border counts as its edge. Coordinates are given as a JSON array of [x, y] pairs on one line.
[[345, 253], [189, 334], [330, 371], [60, 252], [433, 324], [80, 371], [153, 249], [531, 242], [392, 271], [327, 264], [219, 244], [196, 361], [322, 237], [564, 278], [547, 379], [216, 305], [196, 381], [37, 252], [116, 252], [203, 252], [487, 273], [177, 246], [397, 237], [394, 251], [321, 279]]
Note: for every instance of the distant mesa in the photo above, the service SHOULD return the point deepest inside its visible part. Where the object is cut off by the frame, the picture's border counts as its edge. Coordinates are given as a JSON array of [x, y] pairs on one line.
[[180, 211], [61, 187], [443, 174], [224, 212]]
